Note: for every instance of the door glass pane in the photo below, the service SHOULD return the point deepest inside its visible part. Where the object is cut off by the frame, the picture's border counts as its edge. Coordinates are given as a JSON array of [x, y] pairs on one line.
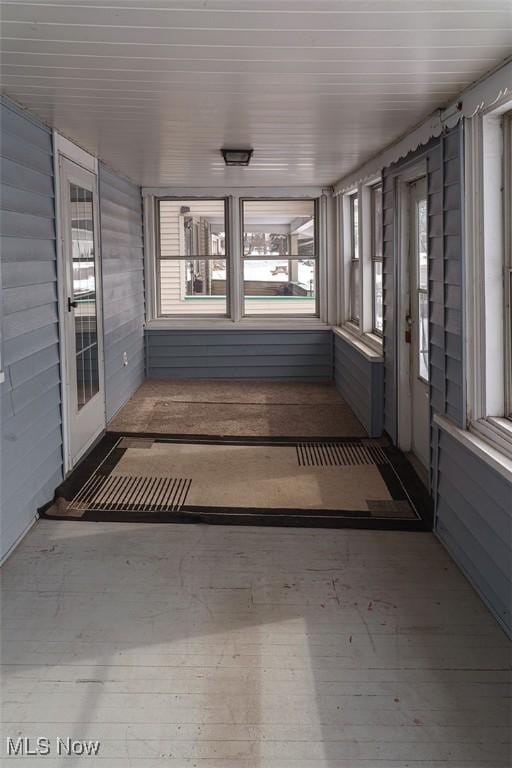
[[422, 245], [422, 277], [378, 307], [423, 335], [84, 293]]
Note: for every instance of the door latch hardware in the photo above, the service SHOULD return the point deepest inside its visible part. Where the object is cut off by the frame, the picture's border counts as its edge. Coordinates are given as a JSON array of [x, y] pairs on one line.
[[408, 326], [72, 304]]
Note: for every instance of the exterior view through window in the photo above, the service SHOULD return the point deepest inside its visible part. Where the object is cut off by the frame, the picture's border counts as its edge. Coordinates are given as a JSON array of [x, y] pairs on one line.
[[422, 287], [377, 300], [280, 260], [84, 293], [192, 265], [354, 263], [507, 206]]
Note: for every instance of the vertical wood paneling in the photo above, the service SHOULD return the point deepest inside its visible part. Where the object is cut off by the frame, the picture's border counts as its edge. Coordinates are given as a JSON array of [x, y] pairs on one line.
[[31, 436], [123, 287]]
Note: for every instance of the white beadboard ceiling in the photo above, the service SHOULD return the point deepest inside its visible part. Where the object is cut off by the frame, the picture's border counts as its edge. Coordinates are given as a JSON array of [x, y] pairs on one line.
[[156, 87]]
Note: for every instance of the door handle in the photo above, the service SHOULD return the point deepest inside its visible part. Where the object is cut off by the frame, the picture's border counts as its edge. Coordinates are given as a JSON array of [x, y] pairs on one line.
[[408, 327], [72, 304]]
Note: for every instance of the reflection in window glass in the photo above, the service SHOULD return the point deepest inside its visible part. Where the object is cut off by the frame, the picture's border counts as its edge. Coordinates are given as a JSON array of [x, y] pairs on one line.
[[354, 290], [378, 304], [192, 264], [354, 219], [377, 287], [422, 245], [423, 335], [84, 293], [279, 257], [354, 264], [422, 290]]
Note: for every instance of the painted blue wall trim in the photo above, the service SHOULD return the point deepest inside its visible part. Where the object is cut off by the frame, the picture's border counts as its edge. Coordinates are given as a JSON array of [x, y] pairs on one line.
[[31, 434], [236, 354], [123, 287], [361, 383]]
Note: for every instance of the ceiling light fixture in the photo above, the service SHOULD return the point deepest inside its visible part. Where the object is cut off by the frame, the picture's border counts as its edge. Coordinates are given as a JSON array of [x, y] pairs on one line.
[[237, 156]]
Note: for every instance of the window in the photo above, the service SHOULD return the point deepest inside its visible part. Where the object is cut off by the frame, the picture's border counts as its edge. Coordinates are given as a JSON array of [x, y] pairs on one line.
[[193, 265], [355, 272], [421, 250], [280, 258], [360, 234], [377, 286], [507, 208], [488, 215]]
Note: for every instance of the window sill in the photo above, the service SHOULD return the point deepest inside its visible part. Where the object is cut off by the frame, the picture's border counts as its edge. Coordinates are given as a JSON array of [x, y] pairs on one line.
[[497, 432], [480, 446], [246, 323], [362, 343]]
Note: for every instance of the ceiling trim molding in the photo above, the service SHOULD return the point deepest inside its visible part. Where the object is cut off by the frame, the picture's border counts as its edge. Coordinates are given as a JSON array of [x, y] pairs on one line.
[[488, 93]]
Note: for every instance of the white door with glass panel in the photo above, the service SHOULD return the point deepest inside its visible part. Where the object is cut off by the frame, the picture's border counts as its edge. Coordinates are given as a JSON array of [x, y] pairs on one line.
[[83, 331], [418, 322]]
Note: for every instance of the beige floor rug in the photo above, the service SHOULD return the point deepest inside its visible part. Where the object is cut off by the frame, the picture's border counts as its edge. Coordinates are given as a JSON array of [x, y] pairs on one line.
[[327, 482]]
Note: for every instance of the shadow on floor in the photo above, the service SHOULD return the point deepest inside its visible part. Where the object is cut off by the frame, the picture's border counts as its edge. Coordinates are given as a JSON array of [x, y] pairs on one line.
[[263, 647]]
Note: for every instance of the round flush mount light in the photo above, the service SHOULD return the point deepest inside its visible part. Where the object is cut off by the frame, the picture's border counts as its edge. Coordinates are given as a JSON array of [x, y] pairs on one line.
[[237, 156]]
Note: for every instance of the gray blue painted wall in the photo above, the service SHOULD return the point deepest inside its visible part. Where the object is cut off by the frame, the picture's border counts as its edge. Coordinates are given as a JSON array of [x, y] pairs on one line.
[[123, 287], [31, 439], [474, 521], [444, 162], [235, 354], [31, 461], [360, 382]]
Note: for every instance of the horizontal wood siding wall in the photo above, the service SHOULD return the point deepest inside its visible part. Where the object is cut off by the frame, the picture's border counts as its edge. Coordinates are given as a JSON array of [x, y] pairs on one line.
[[361, 384], [31, 439], [444, 161], [474, 520], [445, 179], [473, 503], [123, 287], [238, 354]]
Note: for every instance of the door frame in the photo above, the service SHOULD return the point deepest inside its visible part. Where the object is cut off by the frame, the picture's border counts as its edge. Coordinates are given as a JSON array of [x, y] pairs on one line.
[[403, 379], [62, 147]]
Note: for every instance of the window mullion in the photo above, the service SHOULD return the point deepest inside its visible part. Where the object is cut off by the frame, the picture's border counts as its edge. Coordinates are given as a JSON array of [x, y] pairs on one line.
[[235, 258]]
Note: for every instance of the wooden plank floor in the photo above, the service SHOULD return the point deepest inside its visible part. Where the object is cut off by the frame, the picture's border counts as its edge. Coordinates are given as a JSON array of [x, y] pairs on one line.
[[209, 647]]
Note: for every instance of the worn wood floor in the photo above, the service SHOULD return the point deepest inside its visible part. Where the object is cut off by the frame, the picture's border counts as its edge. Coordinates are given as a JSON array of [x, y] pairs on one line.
[[209, 647]]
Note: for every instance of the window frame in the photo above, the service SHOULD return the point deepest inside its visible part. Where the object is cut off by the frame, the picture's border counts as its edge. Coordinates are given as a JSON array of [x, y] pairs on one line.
[[376, 260], [326, 306], [364, 330], [507, 261], [355, 258], [488, 192], [317, 257], [183, 257]]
